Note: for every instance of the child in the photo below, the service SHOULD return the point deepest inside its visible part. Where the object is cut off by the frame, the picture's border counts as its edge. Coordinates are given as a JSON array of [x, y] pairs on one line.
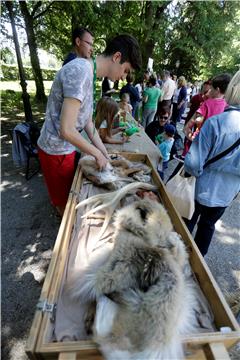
[[165, 147], [106, 112], [124, 105], [214, 105]]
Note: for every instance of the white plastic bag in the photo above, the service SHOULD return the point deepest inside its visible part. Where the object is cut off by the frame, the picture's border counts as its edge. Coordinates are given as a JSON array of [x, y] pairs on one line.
[[181, 191]]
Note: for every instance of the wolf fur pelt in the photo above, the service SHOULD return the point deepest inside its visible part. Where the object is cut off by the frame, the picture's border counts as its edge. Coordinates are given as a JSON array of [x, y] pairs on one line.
[[144, 302]]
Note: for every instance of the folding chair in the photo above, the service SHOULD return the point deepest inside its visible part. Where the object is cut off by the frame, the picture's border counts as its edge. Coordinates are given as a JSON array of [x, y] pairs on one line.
[[25, 137]]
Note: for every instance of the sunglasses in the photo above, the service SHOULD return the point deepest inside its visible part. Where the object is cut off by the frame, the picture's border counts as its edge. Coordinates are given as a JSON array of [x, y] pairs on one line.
[[163, 117]]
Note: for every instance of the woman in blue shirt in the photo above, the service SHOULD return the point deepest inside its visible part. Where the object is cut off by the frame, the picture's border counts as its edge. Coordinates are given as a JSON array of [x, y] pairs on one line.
[[219, 183]]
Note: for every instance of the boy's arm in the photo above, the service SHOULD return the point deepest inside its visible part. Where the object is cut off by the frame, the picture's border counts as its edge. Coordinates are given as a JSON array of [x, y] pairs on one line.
[[68, 131]]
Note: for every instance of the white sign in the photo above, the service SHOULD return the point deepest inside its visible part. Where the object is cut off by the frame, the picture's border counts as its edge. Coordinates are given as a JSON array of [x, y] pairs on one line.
[[150, 64]]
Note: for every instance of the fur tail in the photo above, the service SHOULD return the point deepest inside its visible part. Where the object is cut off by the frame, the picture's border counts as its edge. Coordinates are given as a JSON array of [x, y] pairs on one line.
[[105, 314], [82, 284], [172, 351]]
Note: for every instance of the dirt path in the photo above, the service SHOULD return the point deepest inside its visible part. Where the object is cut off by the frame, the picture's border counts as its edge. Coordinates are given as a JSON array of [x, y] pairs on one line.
[[29, 229]]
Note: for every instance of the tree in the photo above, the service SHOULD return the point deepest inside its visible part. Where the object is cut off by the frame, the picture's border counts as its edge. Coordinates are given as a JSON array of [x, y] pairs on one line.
[[198, 34], [25, 95], [29, 18]]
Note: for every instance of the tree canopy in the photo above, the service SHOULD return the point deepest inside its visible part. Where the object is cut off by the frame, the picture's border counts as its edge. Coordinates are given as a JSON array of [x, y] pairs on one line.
[[202, 36]]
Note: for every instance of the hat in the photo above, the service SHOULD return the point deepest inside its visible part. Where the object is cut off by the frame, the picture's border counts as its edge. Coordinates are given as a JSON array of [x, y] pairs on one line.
[[169, 129]]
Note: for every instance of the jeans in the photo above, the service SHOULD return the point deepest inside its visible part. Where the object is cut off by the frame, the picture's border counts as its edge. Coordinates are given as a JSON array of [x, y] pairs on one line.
[[147, 117], [161, 169], [206, 224]]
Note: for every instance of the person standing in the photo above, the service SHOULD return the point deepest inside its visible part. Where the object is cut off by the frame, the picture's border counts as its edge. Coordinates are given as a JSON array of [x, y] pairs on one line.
[[168, 88], [82, 41], [151, 96], [165, 142], [218, 183], [69, 110], [180, 107], [133, 93], [107, 89]]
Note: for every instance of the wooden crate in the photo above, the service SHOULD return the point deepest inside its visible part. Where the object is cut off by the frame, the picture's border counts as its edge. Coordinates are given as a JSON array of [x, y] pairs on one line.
[[210, 345]]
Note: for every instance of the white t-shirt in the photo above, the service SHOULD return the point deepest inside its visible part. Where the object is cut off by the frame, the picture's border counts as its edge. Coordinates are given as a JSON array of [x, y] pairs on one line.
[[73, 80], [168, 89], [175, 95], [103, 125], [140, 90]]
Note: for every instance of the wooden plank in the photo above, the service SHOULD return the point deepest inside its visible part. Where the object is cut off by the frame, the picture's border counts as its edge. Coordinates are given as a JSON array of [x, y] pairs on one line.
[[216, 351], [46, 329], [37, 322], [196, 354], [67, 356]]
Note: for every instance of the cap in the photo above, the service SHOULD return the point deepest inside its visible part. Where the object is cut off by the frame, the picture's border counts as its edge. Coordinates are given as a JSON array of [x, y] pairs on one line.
[[169, 129]]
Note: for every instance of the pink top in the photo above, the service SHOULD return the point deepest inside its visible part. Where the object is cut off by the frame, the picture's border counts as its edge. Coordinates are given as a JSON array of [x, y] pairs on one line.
[[211, 107]]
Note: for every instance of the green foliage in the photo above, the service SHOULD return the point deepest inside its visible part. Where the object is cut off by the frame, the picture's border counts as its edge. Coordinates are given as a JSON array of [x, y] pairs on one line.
[[10, 72], [202, 35]]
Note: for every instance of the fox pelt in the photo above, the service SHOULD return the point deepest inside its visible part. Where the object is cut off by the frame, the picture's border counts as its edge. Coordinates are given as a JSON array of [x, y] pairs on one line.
[[116, 173], [144, 301]]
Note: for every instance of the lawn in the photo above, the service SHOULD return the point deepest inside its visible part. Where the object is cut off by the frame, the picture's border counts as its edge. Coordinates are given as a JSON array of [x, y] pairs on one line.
[[12, 111]]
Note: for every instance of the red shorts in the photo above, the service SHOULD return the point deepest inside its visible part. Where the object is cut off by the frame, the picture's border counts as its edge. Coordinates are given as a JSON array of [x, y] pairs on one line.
[[58, 171]]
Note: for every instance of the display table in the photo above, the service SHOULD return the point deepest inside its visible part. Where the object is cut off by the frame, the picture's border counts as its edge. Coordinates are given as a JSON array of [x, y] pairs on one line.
[[42, 342]]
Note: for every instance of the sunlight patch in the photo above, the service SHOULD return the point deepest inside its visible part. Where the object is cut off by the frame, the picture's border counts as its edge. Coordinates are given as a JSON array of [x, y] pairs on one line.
[[17, 349], [219, 226], [6, 330], [35, 265], [236, 274], [227, 239]]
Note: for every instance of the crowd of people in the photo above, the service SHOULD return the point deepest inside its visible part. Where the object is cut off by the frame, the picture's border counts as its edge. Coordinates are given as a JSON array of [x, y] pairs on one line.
[[158, 103]]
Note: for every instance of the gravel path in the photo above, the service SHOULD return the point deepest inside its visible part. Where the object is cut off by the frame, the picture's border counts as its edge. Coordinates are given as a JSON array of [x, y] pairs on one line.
[[29, 229]]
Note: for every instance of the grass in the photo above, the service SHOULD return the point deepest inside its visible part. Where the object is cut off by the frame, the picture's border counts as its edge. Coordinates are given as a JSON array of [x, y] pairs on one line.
[[12, 110]]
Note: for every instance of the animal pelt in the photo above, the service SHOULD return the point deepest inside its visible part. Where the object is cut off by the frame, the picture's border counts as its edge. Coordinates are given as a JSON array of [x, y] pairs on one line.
[[114, 175], [143, 299]]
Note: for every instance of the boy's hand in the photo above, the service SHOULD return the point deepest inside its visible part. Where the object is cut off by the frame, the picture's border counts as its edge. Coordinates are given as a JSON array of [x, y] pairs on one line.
[[101, 161]]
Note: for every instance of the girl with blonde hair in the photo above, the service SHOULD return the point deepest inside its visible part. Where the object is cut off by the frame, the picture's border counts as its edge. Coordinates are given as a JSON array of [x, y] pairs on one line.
[[106, 114]]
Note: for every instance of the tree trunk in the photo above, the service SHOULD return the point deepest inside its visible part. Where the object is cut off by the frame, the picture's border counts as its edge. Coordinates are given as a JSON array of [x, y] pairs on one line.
[[151, 16], [25, 95], [37, 73]]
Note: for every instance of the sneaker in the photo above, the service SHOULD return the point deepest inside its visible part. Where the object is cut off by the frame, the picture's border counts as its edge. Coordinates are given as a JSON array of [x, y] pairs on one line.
[[179, 158]]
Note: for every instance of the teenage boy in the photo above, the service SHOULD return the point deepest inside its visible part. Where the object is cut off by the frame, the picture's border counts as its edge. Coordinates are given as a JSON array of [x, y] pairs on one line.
[[82, 42], [69, 110]]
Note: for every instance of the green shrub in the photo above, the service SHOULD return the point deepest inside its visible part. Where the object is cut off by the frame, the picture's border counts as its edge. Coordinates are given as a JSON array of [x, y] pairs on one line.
[[10, 72]]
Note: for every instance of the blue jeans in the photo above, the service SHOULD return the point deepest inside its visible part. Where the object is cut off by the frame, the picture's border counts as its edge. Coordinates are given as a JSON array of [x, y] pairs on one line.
[[161, 171], [208, 216]]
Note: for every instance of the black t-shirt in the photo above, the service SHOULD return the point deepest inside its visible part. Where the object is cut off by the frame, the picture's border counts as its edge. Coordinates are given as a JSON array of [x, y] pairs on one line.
[[154, 129], [106, 87]]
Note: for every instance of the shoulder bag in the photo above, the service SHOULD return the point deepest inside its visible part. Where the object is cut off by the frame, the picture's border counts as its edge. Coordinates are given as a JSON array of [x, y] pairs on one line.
[[181, 187]]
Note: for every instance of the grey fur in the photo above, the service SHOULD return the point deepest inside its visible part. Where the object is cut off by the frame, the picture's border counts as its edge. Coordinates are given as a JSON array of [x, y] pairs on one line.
[[144, 277]]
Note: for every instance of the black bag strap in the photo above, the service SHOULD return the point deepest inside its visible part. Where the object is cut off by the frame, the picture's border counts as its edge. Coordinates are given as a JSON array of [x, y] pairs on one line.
[[231, 109], [225, 152]]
